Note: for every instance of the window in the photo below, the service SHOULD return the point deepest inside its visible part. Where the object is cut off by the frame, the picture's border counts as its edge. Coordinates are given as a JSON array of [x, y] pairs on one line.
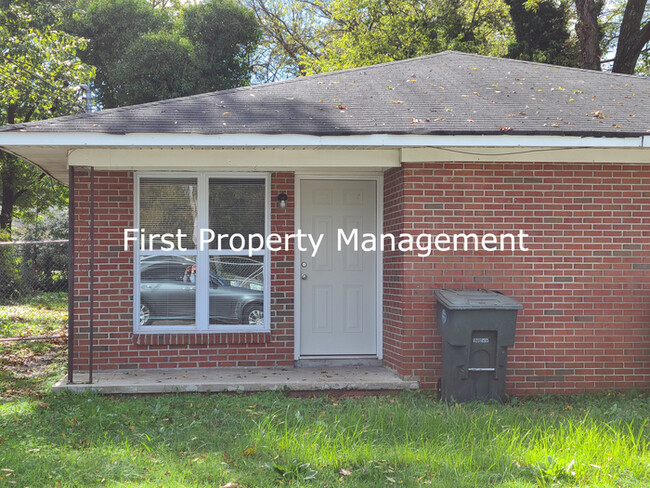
[[218, 286]]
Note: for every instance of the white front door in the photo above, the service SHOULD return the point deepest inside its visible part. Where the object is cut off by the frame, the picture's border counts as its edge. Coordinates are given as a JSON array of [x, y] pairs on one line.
[[338, 289]]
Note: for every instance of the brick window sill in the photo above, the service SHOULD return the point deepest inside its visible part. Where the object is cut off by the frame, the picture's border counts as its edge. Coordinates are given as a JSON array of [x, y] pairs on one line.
[[201, 339]]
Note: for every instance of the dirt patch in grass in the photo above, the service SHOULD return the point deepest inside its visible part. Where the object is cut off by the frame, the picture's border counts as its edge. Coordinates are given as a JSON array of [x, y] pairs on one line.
[[30, 367]]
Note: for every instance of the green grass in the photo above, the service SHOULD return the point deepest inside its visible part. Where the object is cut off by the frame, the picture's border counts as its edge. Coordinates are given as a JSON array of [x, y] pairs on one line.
[[43, 314], [271, 439]]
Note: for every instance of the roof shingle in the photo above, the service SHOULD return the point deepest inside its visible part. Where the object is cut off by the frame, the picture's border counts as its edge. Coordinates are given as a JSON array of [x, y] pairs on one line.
[[442, 94]]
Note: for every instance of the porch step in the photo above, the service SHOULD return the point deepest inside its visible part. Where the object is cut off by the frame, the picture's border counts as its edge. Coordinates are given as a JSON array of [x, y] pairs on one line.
[[363, 378], [316, 362]]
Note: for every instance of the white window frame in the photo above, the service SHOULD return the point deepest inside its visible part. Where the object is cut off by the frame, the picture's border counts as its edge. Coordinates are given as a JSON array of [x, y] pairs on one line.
[[202, 322]]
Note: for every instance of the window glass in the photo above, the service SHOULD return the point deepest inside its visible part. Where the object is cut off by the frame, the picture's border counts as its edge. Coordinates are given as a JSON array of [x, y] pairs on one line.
[[229, 294], [167, 290], [236, 206], [237, 290], [167, 205]]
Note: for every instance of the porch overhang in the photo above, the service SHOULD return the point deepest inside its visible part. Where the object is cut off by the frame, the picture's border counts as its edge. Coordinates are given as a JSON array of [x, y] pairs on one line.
[[55, 152]]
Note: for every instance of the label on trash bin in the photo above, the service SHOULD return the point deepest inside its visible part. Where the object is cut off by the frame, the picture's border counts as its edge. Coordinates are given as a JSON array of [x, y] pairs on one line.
[[443, 315], [481, 340]]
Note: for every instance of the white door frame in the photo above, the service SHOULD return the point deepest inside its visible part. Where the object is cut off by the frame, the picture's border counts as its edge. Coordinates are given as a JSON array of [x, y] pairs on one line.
[[379, 179]]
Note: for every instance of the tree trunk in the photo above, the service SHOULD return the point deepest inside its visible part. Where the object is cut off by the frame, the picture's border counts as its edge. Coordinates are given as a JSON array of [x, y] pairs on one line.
[[631, 38], [588, 34], [7, 176]]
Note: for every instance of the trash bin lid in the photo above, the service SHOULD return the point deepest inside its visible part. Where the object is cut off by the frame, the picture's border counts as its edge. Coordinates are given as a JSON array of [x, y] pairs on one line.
[[476, 300]]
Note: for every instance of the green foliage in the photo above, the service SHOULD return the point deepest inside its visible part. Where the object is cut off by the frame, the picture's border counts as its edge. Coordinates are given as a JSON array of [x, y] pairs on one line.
[[39, 68], [367, 32], [39, 78], [292, 30], [44, 267], [155, 65], [111, 27], [145, 53], [542, 32], [224, 35], [9, 278]]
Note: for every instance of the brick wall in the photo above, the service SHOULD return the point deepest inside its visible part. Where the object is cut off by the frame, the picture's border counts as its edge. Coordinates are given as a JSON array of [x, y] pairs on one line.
[[116, 347], [584, 284]]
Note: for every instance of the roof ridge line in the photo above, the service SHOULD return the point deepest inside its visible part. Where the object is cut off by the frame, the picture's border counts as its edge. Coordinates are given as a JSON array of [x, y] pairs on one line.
[[548, 65]]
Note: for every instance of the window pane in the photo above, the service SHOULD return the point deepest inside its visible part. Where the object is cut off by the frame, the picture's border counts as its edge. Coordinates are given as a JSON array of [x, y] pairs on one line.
[[237, 290], [167, 205], [167, 290], [236, 207]]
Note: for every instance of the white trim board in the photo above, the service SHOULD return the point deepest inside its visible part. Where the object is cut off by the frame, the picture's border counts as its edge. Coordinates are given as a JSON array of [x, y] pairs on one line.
[[233, 159], [532, 154], [80, 139]]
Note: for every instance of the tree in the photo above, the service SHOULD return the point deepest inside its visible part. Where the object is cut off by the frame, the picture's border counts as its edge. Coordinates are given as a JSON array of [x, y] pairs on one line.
[[111, 27], [542, 32], [633, 36], [39, 75], [293, 30], [372, 31], [589, 33], [145, 52], [224, 36]]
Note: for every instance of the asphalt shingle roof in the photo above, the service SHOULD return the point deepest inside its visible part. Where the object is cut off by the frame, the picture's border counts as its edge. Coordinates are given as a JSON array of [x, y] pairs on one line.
[[442, 94]]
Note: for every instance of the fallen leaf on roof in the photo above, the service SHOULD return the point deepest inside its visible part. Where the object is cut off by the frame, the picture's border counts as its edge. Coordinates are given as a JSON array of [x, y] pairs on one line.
[[470, 120], [597, 114], [411, 81], [416, 121], [505, 129], [397, 101], [341, 107]]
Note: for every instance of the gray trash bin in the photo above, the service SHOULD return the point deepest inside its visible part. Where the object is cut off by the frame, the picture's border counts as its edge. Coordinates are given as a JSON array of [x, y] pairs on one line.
[[476, 327]]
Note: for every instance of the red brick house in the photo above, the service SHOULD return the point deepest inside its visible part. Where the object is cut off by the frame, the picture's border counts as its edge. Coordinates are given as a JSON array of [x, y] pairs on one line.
[[445, 144]]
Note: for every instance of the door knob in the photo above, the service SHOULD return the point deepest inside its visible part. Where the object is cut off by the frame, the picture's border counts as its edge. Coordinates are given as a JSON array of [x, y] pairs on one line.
[[303, 276]]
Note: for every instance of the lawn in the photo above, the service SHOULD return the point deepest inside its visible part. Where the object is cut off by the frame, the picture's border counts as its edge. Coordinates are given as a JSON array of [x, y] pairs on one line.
[[44, 314], [271, 439]]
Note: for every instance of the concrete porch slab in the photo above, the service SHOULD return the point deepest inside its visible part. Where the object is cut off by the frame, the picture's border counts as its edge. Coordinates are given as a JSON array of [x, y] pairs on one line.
[[238, 379]]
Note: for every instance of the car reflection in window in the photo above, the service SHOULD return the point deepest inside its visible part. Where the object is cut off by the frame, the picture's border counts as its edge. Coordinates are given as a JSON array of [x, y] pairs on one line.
[[168, 293]]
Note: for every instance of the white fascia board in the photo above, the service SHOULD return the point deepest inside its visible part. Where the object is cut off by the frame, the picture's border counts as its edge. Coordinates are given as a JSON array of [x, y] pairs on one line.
[[80, 139]]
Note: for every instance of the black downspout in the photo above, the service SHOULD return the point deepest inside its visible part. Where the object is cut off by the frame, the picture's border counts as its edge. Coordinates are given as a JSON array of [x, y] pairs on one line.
[[70, 273], [92, 274]]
